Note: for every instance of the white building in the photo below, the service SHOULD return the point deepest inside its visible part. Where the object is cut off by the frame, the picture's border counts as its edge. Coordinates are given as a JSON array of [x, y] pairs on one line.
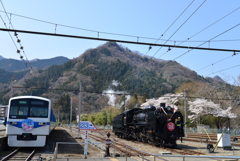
[[3, 111]]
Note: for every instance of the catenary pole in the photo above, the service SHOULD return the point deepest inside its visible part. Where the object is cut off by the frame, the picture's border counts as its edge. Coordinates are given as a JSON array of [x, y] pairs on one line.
[[185, 113], [71, 114], [79, 108]]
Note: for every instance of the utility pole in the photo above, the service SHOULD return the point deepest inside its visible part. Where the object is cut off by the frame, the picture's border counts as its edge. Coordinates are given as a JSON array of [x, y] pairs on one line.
[[79, 108], [12, 80], [185, 113], [71, 114], [58, 116]]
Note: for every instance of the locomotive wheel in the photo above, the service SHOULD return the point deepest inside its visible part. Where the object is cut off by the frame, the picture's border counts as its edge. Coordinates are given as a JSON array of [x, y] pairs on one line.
[[138, 138], [174, 145]]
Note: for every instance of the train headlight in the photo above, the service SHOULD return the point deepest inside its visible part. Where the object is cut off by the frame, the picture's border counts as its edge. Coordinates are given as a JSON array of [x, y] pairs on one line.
[[13, 123], [42, 123]]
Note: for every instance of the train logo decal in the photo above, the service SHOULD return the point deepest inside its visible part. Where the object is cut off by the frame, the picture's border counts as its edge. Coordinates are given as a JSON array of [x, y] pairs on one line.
[[170, 126], [27, 125]]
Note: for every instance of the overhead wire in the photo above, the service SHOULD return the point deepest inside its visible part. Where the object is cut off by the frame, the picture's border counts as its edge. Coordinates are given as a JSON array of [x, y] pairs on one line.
[[21, 47], [210, 26], [10, 34], [203, 30], [207, 41], [171, 24], [169, 28], [122, 34], [211, 40], [181, 26], [78, 28], [112, 93], [55, 24], [225, 69], [217, 62]]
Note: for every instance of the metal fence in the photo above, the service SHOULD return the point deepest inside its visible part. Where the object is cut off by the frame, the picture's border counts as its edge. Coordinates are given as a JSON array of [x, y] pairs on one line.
[[214, 131], [152, 157]]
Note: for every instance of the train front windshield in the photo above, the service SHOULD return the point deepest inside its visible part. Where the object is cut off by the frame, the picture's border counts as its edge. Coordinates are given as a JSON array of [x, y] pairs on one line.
[[24, 108]]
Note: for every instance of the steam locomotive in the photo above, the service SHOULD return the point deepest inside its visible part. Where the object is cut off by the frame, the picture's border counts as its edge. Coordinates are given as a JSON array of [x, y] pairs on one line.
[[160, 126]]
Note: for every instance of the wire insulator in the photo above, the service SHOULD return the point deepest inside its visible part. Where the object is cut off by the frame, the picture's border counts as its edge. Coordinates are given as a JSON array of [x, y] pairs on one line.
[[18, 51], [18, 40]]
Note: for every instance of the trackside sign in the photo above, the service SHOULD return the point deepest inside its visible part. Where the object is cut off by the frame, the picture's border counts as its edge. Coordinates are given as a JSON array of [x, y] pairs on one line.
[[87, 125]]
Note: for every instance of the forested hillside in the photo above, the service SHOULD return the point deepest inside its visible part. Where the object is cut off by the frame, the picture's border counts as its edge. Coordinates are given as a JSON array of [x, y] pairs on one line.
[[17, 65], [96, 69]]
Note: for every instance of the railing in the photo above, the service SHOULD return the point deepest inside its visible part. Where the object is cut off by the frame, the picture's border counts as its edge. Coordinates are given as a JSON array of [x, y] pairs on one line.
[[155, 156], [214, 131], [100, 145]]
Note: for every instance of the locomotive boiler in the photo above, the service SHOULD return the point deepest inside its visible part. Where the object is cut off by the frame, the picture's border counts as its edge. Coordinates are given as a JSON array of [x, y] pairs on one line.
[[160, 126]]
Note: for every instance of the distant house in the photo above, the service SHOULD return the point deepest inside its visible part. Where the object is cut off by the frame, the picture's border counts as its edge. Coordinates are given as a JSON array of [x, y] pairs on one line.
[[3, 111]]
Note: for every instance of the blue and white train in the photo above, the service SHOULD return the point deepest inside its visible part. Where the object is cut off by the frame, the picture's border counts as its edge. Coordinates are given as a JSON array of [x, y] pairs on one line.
[[30, 120]]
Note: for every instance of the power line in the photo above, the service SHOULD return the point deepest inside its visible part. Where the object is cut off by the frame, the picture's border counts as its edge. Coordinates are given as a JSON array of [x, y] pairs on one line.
[[212, 98], [210, 26], [157, 39], [225, 69], [203, 30], [77, 90], [172, 24], [18, 51], [21, 47], [181, 27], [78, 28], [211, 40], [217, 61], [73, 90], [208, 41], [121, 41]]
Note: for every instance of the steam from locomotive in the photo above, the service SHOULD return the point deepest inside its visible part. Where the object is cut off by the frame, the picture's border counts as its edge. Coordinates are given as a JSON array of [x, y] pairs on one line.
[[160, 126]]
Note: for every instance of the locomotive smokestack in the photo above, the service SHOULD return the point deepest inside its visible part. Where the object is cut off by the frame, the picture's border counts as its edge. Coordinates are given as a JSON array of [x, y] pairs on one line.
[[162, 105]]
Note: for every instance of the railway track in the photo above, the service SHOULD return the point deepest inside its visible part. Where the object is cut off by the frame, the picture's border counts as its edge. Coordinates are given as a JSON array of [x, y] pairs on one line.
[[126, 150], [101, 135], [20, 154]]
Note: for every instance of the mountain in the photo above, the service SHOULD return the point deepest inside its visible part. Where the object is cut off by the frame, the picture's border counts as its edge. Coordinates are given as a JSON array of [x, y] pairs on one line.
[[17, 65], [1, 57], [96, 70], [218, 78]]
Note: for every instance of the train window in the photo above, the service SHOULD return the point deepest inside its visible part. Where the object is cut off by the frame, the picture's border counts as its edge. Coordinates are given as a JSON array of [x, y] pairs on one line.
[[18, 111], [23, 108], [38, 112]]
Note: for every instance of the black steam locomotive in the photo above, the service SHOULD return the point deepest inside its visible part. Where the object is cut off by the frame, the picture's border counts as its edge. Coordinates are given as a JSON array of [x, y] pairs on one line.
[[161, 126]]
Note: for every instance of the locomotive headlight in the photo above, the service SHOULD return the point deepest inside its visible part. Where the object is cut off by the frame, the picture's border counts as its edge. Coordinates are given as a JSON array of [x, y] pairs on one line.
[[42, 123]]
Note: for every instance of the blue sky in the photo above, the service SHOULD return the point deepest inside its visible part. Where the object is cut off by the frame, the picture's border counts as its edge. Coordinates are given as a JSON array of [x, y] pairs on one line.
[[137, 18]]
